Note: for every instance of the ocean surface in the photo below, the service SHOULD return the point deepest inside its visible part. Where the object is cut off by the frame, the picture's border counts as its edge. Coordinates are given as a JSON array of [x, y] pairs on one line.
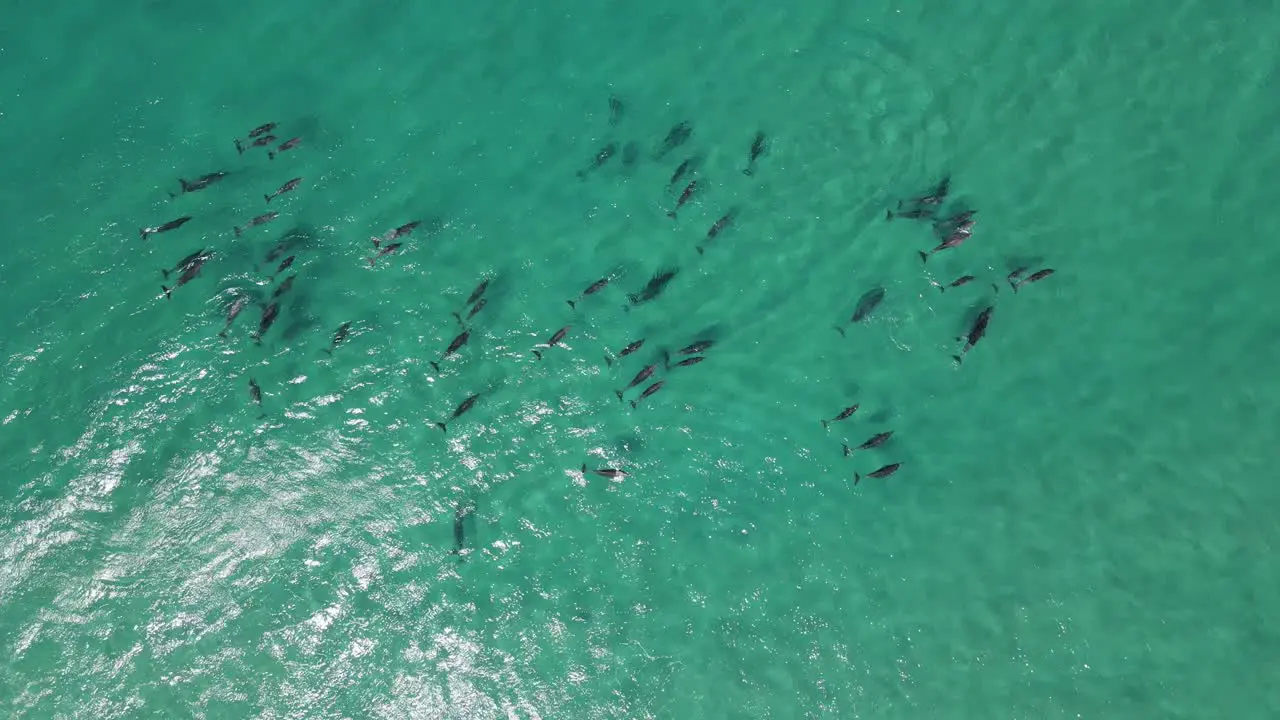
[[1083, 524]]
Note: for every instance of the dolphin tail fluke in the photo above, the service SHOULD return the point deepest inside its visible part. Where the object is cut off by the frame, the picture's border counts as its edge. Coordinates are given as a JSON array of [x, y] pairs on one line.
[[537, 354], [239, 147], [847, 451], [435, 365], [924, 256], [856, 478], [167, 292], [142, 233], [840, 330], [584, 468], [376, 241], [634, 403], [888, 214], [328, 351], [271, 155], [443, 427], [186, 186], [268, 197], [238, 232], [942, 288], [572, 304], [223, 334], [459, 317], [666, 360], [748, 172], [825, 423], [619, 394], [671, 214], [700, 250], [372, 261], [957, 358], [1014, 285], [608, 361]]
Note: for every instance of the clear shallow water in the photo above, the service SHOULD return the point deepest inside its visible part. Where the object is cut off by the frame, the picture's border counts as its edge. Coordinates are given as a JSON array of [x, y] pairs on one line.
[[1085, 516]]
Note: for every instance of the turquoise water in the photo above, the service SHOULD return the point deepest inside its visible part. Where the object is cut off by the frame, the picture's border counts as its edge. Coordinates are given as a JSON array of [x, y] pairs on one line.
[[1083, 520]]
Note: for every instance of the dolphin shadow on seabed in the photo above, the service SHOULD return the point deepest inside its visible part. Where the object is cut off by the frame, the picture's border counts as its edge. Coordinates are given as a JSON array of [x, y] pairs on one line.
[[881, 416], [628, 444]]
